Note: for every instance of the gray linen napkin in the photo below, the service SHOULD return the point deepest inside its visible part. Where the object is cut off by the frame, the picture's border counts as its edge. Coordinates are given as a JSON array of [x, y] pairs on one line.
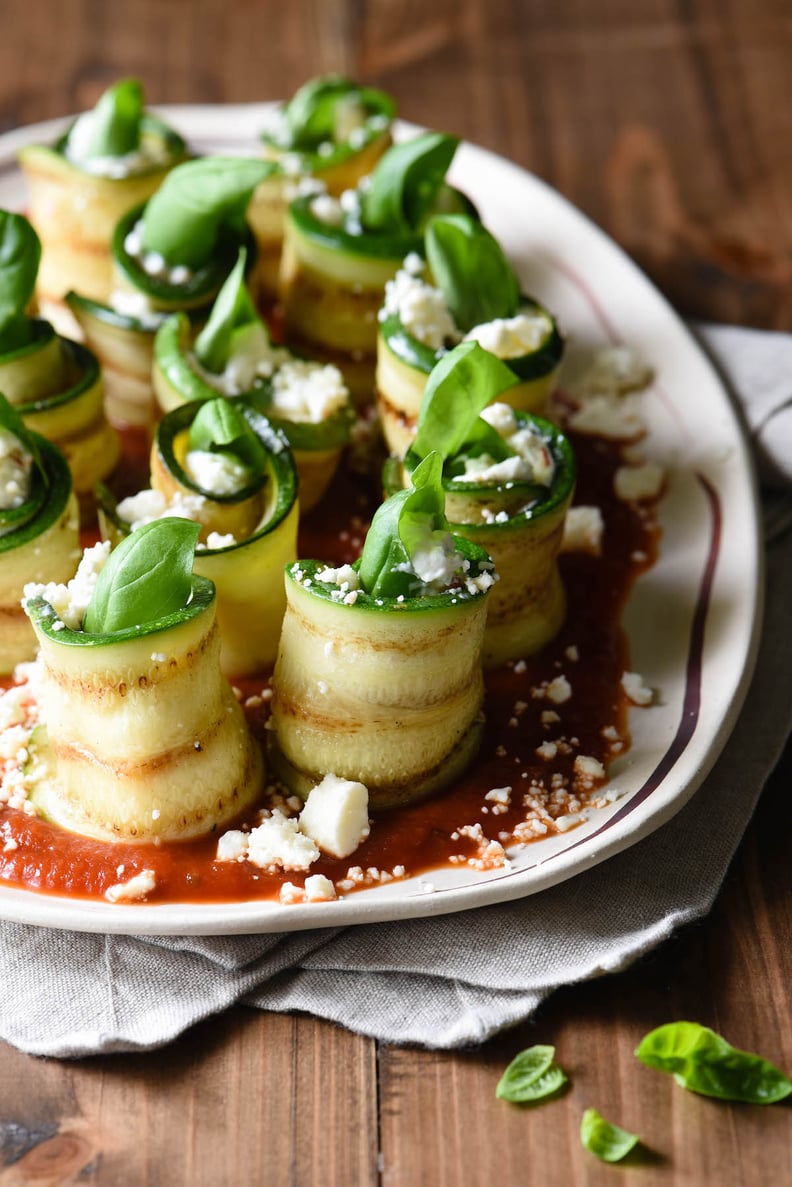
[[458, 979]]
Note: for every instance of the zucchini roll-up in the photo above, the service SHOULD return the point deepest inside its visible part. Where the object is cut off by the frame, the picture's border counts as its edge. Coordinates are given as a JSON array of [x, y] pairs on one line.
[[233, 355], [331, 130], [339, 253], [378, 678], [221, 464], [475, 296], [509, 479], [110, 159], [54, 383], [39, 528], [144, 738], [172, 253]]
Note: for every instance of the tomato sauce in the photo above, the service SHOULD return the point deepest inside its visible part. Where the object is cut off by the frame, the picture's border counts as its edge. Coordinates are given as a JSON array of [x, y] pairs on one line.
[[590, 651]]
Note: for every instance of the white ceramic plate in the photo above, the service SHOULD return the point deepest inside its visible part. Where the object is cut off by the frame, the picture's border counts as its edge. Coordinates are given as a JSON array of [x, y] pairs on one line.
[[693, 620]]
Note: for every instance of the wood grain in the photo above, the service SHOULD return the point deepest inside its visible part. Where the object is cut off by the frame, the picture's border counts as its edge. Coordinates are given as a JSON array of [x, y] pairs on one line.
[[669, 124]]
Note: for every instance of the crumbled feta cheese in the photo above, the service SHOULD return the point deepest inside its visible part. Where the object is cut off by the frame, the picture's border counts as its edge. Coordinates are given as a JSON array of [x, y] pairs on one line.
[[559, 690], [615, 370], [512, 337], [531, 460], [219, 473], [71, 601], [232, 846], [437, 563], [217, 540], [150, 153], [547, 751], [15, 471], [345, 577], [278, 843], [583, 529], [148, 505], [136, 305], [319, 889], [133, 890], [588, 768], [335, 815], [618, 419], [309, 392], [327, 209], [636, 483], [635, 689], [420, 307]]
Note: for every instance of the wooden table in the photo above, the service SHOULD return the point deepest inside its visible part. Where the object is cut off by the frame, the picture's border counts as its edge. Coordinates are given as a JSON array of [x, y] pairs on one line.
[[670, 125]]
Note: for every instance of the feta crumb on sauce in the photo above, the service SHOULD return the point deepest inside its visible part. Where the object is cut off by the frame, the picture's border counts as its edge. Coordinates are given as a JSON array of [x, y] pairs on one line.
[[636, 483], [16, 465], [635, 689], [134, 889], [70, 601], [335, 815], [583, 530], [614, 371], [278, 843]]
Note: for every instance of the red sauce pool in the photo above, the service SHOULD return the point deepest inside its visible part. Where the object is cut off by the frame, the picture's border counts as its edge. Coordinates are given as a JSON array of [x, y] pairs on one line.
[[591, 651]]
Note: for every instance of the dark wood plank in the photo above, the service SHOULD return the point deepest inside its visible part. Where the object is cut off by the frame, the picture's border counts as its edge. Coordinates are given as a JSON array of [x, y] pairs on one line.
[[246, 1098]]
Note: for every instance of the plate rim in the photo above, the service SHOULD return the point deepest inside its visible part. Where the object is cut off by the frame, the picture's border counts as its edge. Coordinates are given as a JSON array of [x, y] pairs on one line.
[[372, 906]]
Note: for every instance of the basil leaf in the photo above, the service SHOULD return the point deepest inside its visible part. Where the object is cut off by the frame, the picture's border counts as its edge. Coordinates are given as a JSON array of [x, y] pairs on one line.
[[20, 253], [531, 1076], [405, 182], [219, 427], [464, 382], [196, 203], [404, 522], [311, 111], [470, 268], [703, 1062], [233, 308], [112, 128], [146, 578], [608, 1142]]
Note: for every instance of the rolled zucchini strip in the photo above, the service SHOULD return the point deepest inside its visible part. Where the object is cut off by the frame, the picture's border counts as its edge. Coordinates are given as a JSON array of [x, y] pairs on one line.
[[404, 364], [56, 385], [169, 254], [145, 738], [520, 525], [384, 691], [263, 518], [83, 184], [39, 541], [332, 130], [316, 439], [338, 256]]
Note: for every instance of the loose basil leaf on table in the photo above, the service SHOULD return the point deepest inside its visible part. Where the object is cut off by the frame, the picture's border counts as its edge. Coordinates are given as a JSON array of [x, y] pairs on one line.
[[409, 519], [183, 221], [704, 1062], [405, 182], [471, 270], [460, 386], [608, 1142], [146, 578], [20, 254], [219, 427], [112, 128], [531, 1076], [233, 309]]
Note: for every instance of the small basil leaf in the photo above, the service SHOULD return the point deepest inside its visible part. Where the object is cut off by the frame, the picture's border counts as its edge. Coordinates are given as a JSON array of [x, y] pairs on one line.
[[20, 253], [311, 111], [464, 382], [405, 182], [609, 1143], [12, 422], [704, 1062], [219, 427], [525, 1075], [146, 578], [112, 129], [470, 268], [404, 522], [197, 201], [233, 308]]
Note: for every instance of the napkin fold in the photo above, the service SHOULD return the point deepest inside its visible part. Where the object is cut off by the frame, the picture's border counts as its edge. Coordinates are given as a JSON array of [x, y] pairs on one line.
[[455, 979]]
